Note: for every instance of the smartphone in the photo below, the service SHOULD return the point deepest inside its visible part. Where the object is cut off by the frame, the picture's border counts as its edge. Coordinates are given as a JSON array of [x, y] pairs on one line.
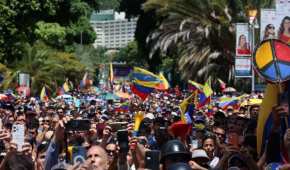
[[152, 159], [118, 126], [123, 141], [18, 134], [78, 154], [78, 125], [194, 144]]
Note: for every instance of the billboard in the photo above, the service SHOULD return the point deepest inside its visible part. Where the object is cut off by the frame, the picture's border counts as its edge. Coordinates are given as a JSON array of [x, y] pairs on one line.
[[242, 40], [283, 15], [275, 23], [243, 66], [24, 80], [269, 24]]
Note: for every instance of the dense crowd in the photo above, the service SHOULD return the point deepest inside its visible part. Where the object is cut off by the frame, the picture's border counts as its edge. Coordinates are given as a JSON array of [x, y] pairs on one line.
[[38, 135]]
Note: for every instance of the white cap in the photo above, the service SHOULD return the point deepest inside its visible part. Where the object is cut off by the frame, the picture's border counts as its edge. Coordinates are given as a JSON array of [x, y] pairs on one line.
[[149, 115], [199, 153]]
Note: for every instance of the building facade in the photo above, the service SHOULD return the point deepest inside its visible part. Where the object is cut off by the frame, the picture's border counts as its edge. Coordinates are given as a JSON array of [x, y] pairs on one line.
[[113, 30]]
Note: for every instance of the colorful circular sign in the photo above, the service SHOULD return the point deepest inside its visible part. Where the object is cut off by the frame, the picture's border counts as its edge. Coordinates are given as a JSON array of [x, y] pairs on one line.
[[272, 60]]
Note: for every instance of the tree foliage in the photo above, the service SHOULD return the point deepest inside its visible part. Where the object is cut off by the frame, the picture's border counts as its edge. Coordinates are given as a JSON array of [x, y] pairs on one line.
[[30, 20], [91, 57], [45, 66], [130, 55], [51, 33]]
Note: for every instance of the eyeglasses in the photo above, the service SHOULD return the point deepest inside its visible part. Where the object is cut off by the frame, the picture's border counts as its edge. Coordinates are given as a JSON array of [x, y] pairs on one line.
[[271, 27]]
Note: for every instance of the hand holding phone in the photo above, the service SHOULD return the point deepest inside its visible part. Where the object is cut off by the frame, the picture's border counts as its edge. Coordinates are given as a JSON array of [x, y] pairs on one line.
[[78, 154], [18, 134], [123, 141], [194, 144]]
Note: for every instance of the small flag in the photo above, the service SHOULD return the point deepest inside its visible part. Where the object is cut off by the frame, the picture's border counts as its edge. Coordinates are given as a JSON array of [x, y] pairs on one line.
[[187, 108], [141, 91], [65, 86], [111, 78], [43, 94], [205, 94], [85, 81], [194, 86]]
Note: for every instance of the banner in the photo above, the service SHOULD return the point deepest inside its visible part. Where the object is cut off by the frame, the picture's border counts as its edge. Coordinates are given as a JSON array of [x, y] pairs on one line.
[[283, 15], [242, 40], [243, 67], [269, 24]]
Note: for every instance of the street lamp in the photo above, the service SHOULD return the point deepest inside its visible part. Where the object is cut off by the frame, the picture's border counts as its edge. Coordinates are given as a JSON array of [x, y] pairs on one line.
[[252, 14]]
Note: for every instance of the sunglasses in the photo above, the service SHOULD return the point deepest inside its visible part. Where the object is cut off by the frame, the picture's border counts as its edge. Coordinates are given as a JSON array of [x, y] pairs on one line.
[[271, 27], [110, 152]]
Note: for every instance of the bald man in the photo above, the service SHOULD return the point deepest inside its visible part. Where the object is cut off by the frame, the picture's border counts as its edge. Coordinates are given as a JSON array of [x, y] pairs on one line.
[[98, 158]]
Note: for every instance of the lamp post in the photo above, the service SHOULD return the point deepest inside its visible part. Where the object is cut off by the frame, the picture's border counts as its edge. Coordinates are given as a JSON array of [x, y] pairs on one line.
[[252, 13]]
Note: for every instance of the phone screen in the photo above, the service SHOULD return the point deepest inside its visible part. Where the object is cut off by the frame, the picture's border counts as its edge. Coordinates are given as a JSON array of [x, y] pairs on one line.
[[194, 144], [18, 134], [78, 154], [122, 137]]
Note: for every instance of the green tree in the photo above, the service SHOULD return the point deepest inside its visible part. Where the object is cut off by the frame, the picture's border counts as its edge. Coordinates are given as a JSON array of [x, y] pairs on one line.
[[26, 21], [91, 57], [45, 67], [51, 33], [130, 55]]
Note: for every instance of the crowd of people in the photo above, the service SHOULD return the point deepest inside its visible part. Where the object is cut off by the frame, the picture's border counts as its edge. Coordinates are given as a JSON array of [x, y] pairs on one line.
[[38, 135]]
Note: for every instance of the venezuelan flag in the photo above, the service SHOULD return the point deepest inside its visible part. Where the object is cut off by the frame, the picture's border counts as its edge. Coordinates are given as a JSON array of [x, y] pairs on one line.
[[123, 108], [224, 103], [144, 82], [141, 91], [204, 95], [43, 94], [187, 108]]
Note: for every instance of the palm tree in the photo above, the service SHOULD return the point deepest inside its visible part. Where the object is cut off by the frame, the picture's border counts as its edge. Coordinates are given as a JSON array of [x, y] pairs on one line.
[[200, 32], [35, 63]]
